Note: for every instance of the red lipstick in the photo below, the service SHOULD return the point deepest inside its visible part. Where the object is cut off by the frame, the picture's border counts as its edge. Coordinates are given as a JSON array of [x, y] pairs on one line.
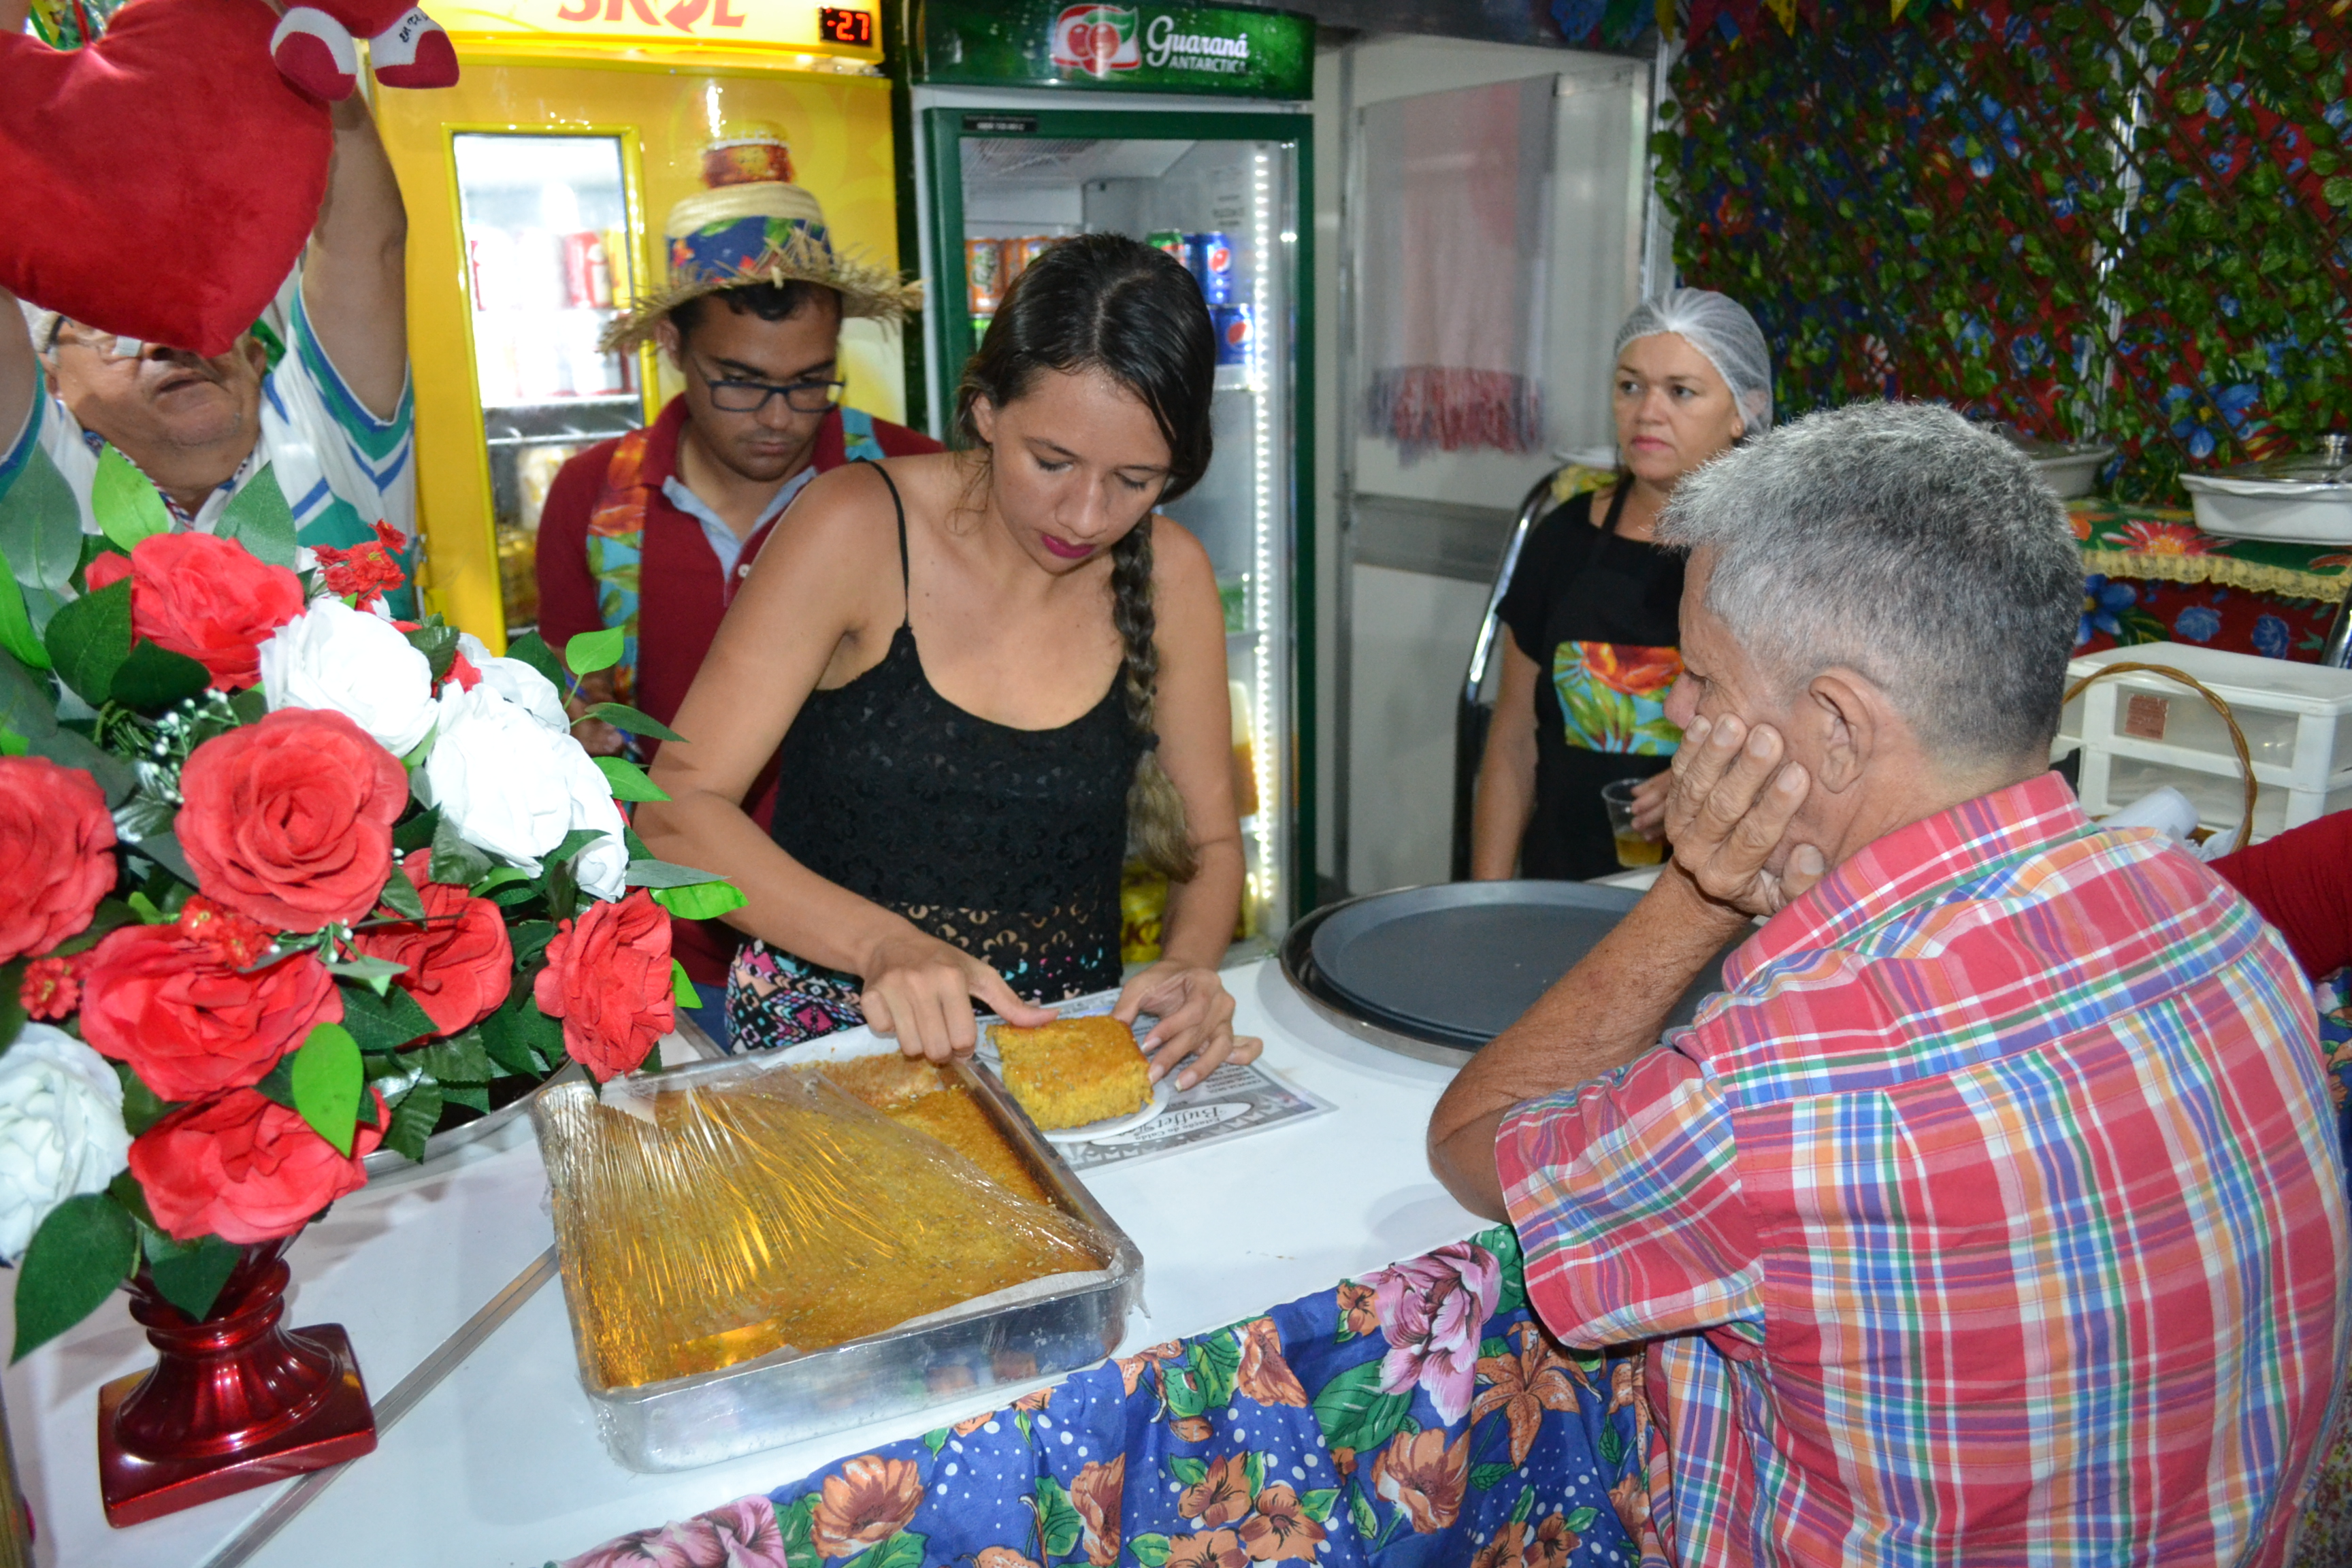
[[1066, 549]]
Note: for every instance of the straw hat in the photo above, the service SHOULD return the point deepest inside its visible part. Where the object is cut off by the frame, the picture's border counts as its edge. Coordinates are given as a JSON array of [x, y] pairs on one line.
[[752, 225]]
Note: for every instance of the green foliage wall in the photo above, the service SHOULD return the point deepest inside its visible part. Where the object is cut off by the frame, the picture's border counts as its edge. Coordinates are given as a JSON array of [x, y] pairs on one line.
[[2094, 219]]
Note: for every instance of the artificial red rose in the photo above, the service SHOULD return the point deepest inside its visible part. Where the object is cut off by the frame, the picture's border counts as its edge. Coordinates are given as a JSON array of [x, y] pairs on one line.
[[245, 1168], [187, 1014], [607, 977], [105, 570], [459, 963], [56, 853], [289, 820], [210, 599]]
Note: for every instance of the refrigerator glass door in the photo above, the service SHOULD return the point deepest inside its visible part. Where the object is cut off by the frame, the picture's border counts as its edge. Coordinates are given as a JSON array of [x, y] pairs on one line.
[[1227, 209], [545, 230]]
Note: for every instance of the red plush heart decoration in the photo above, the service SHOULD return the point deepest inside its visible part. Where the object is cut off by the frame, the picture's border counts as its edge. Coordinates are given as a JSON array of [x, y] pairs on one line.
[[163, 179]]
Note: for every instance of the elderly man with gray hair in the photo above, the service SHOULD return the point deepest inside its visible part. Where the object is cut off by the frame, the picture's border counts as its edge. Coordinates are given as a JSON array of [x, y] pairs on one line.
[[1993, 1213]]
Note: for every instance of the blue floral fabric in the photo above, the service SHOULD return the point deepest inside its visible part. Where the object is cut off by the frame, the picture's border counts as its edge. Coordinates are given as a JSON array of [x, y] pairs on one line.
[[1414, 1418]]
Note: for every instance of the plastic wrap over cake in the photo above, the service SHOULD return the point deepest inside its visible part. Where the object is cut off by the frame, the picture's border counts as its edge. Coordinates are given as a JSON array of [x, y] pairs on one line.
[[750, 1255]]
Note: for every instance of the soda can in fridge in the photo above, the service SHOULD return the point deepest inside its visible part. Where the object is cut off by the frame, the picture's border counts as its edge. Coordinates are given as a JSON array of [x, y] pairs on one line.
[[1211, 260], [1236, 333], [983, 271], [1172, 242]]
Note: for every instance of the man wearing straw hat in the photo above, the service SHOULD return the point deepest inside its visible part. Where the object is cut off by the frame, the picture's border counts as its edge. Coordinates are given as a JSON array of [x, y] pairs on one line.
[[652, 532]]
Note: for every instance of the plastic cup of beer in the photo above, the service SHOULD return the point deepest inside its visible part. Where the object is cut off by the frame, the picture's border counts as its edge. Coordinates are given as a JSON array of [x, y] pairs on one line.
[[1634, 848]]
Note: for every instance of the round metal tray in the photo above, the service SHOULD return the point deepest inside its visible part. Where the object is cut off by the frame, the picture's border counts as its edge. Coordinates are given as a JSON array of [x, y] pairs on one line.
[[1434, 973]]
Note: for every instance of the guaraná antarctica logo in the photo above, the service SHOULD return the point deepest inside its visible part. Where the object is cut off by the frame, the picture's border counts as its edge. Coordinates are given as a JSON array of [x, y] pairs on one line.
[[1100, 40]]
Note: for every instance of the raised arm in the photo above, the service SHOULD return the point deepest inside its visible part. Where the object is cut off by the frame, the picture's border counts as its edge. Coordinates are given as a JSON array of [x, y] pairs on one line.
[[827, 584], [1193, 718], [355, 272]]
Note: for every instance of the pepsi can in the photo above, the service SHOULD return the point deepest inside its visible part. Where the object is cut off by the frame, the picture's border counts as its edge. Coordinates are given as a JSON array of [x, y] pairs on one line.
[[1235, 332], [1211, 258]]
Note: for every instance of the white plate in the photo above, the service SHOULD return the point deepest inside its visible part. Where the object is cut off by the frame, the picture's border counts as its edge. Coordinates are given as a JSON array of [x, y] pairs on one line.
[[1161, 1093]]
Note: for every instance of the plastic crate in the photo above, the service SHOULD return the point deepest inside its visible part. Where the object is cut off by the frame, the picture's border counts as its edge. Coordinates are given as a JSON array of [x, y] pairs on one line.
[[2138, 731]]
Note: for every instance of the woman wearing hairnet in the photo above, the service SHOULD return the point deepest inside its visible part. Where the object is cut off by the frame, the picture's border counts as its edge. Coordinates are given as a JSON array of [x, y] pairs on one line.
[[1591, 606]]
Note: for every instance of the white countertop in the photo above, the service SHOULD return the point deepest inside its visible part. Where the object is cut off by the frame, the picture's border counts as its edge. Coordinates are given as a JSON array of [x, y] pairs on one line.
[[502, 1464]]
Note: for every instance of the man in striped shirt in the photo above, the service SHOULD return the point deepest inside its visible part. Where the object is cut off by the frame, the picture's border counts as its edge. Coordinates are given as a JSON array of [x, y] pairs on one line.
[[329, 423], [1991, 1214]]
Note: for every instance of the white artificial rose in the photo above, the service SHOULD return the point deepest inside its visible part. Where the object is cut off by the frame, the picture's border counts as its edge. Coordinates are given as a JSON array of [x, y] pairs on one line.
[[347, 661], [602, 868], [61, 1131], [507, 782], [518, 682]]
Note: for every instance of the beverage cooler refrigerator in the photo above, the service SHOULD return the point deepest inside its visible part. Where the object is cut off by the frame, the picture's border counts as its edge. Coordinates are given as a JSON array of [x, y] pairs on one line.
[[536, 190], [1034, 121]]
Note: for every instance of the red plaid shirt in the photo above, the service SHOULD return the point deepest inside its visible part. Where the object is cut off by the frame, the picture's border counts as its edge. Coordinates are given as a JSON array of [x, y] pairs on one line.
[[1994, 1215]]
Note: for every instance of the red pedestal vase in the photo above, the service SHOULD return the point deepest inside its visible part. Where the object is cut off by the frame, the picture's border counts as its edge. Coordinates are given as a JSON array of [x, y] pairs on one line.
[[234, 1401]]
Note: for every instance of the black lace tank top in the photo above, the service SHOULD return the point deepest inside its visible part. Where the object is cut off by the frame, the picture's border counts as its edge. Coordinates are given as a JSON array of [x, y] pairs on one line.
[[1007, 843]]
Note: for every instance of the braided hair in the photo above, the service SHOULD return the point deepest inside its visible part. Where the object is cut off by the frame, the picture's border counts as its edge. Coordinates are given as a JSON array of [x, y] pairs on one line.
[[1106, 302]]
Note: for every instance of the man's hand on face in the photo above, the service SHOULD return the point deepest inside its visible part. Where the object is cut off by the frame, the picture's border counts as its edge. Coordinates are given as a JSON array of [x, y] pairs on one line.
[[1728, 816]]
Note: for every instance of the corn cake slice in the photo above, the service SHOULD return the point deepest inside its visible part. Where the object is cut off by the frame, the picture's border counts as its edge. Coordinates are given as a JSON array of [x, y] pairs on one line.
[[1073, 1072]]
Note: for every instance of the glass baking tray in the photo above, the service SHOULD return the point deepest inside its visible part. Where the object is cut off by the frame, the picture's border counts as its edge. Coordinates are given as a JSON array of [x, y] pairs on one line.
[[792, 1395]]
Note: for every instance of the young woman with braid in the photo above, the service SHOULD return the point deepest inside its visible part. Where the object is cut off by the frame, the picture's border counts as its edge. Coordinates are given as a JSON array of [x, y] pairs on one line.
[[990, 670]]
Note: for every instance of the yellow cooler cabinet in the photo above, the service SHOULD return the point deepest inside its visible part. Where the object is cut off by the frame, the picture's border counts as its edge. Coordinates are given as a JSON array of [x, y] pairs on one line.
[[536, 190]]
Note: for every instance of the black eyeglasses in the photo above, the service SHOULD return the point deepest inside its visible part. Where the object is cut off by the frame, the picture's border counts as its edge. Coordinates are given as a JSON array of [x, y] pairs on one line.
[[750, 396]]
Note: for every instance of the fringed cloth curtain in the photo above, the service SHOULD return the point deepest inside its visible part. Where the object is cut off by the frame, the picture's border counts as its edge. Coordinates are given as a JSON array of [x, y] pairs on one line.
[[1457, 225]]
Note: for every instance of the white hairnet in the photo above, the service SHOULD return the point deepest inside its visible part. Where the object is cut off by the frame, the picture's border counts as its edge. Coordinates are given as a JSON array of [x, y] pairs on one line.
[[1719, 327]]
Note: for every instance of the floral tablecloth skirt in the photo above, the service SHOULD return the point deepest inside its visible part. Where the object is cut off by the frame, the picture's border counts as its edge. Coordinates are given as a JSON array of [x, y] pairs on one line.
[[1416, 1416]]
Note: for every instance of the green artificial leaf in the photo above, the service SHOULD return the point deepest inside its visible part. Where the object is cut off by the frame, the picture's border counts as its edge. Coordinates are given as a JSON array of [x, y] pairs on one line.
[[681, 988], [1059, 1524], [126, 504], [1582, 1519], [416, 832], [459, 1060], [84, 1248], [501, 877], [13, 1016], [71, 749], [141, 1106], [1354, 1413], [401, 897], [41, 526], [529, 938], [438, 644], [251, 705], [1190, 1472], [12, 744], [1151, 1551], [329, 1083], [1360, 1515], [17, 638], [532, 649], [376, 974], [473, 1096], [25, 703], [277, 1085], [1486, 1478], [571, 844], [258, 518], [623, 717], [164, 849], [666, 874], [384, 1022], [1526, 1505], [456, 863], [414, 1116], [1316, 1505], [88, 639], [592, 651], [700, 900], [154, 678], [629, 780], [520, 1038], [192, 1277]]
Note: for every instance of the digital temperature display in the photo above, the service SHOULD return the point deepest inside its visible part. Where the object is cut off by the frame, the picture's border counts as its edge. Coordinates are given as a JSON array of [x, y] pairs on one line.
[[839, 25]]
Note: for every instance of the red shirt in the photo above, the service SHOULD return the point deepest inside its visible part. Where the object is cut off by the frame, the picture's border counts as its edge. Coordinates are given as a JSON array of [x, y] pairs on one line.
[[681, 595], [2302, 883]]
